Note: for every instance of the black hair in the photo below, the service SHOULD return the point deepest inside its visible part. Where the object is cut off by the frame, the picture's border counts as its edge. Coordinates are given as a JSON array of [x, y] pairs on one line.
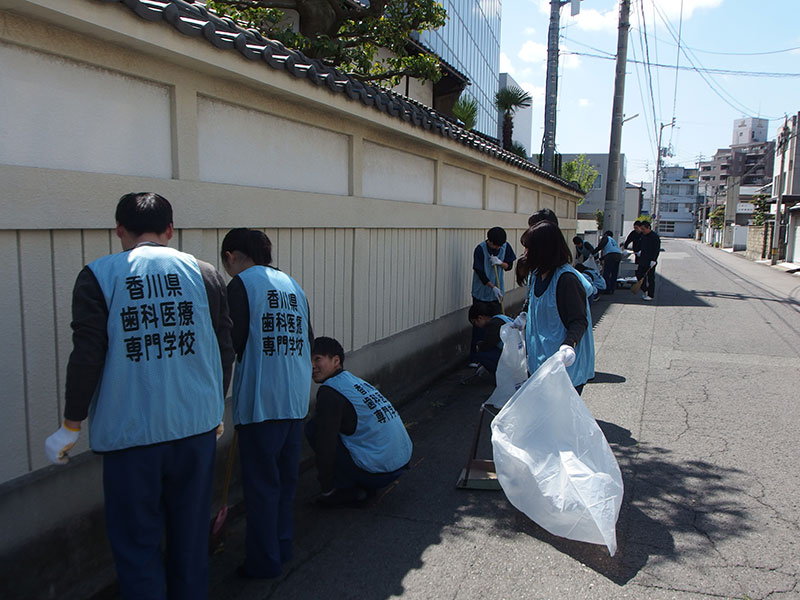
[[545, 248], [639, 223], [144, 212], [543, 214], [577, 240], [482, 309], [646, 224], [251, 242], [497, 235], [327, 346], [609, 233]]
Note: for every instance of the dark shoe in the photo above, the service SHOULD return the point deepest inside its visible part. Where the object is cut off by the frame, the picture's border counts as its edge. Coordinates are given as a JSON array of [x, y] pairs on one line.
[[342, 497]]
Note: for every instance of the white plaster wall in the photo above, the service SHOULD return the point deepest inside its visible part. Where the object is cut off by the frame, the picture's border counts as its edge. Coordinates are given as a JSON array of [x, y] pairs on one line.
[[461, 187], [501, 195], [247, 147], [392, 174], [528, 200], [61, 114]]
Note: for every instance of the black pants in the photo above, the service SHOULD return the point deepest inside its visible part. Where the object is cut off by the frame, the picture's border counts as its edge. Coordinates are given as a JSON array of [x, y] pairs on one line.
[[611, 271], [649, 284]]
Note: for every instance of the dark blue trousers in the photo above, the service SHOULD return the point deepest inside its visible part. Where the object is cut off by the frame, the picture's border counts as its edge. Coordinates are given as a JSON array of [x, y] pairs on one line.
[[611, 271], [157, 489], [347, 473], [270, 454], [489, 359]]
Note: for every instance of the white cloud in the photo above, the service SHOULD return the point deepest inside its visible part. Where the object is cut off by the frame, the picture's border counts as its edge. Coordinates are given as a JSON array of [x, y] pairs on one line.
[[584, 102], [529, 31], [505, 65], [672, 8], [594, 20], [568, 61], [533, 52], [536, 92]]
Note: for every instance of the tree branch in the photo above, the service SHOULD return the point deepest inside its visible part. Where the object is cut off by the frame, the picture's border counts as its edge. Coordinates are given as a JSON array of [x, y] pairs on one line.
[[248, 4]]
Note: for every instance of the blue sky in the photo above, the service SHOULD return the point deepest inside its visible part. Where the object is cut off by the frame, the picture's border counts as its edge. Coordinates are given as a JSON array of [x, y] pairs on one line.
[[704, 121]]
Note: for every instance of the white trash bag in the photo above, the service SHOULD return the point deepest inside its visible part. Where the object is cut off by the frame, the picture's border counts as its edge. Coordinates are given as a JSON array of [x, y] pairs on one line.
[[553, 462], [512, 368]]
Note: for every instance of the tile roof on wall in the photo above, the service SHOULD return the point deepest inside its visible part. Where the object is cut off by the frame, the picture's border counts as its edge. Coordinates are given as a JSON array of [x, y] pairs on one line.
[[195, 20]]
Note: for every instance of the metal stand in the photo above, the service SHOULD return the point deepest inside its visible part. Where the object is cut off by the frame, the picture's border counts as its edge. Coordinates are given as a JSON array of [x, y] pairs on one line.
[[479, 474]]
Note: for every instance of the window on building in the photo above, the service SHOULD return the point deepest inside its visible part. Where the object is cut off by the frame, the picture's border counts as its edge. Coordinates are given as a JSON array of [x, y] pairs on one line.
[[598, 182], [666, 227]]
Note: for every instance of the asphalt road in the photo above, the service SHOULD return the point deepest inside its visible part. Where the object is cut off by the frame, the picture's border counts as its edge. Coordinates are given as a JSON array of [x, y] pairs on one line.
[[698, 394]]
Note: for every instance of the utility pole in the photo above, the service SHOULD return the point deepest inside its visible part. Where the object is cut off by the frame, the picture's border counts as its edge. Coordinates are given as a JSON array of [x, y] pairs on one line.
[[783, 141], [612, 177], [551, 87], [657, 182]]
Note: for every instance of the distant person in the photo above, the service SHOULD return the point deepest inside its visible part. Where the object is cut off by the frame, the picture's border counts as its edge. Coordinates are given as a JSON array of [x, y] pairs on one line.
[[559, 319], [360, 443], [650, 248], [271, 387], [490, 260], [543, 214], [486, 317], [583, 249], [633, 239], [150, 363], [611, 255]]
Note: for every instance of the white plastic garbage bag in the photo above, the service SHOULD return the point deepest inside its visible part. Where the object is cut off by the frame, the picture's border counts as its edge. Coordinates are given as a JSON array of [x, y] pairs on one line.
[[553, 462], [512, 368]]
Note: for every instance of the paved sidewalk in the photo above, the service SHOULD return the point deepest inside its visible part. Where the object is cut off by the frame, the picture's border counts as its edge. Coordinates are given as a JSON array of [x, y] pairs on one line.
[[697, 394]]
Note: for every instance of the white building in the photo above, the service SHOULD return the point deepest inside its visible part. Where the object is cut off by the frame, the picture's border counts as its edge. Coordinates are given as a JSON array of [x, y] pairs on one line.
[[523, 118], [677, 201]]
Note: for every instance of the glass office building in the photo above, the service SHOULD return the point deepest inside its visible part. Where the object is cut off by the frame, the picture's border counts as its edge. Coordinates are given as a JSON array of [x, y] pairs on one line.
[[470, 41]]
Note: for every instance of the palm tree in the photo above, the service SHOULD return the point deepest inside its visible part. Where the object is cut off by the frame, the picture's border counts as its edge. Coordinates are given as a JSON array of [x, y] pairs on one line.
[[507, 101], [466, 110]]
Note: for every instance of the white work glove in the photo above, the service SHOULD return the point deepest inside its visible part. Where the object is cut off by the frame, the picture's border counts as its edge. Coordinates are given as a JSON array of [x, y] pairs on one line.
[[481, 371], [520, 322], [652, 263], [566, 354], [58, 444], [497, 293], [495, 261], [220, 430], [639, 253]]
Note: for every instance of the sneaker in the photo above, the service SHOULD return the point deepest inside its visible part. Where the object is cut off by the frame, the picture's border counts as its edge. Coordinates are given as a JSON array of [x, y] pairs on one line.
[[481, 371], [473, 365], [646, 297]]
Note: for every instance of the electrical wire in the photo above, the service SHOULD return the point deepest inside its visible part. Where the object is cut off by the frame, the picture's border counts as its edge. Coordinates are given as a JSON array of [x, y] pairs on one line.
[[677, 71], [705, 74], [698, 69]]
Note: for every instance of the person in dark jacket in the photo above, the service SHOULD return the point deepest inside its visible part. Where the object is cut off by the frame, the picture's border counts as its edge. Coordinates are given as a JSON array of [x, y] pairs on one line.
[[649, 248], [485, 316], [633, 239], [151, 360], [611, 256], [359, 441]]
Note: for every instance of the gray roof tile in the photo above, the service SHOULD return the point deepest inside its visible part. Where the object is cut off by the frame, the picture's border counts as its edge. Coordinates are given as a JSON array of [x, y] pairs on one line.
[[195, 20]]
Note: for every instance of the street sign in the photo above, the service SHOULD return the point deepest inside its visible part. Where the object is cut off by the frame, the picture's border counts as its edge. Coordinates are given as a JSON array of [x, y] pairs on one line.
[[745, 208]]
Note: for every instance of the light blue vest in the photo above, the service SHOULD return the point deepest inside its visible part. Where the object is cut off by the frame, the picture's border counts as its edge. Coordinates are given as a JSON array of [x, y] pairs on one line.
[[380, 443], [273, 379], [162, 379], [481, 291], [545, 332], [611, 247]]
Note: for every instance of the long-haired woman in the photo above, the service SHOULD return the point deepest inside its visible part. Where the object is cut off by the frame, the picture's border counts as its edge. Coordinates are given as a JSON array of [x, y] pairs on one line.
[[558, 316]]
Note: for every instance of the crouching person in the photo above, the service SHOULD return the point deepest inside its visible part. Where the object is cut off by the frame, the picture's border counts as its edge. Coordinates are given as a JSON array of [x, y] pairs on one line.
[[359, 440], [487, 316]]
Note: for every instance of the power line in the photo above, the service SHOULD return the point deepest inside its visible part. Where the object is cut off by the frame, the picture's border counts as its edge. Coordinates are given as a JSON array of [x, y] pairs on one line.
[[713, 84], [677, 70], [698, 69]]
